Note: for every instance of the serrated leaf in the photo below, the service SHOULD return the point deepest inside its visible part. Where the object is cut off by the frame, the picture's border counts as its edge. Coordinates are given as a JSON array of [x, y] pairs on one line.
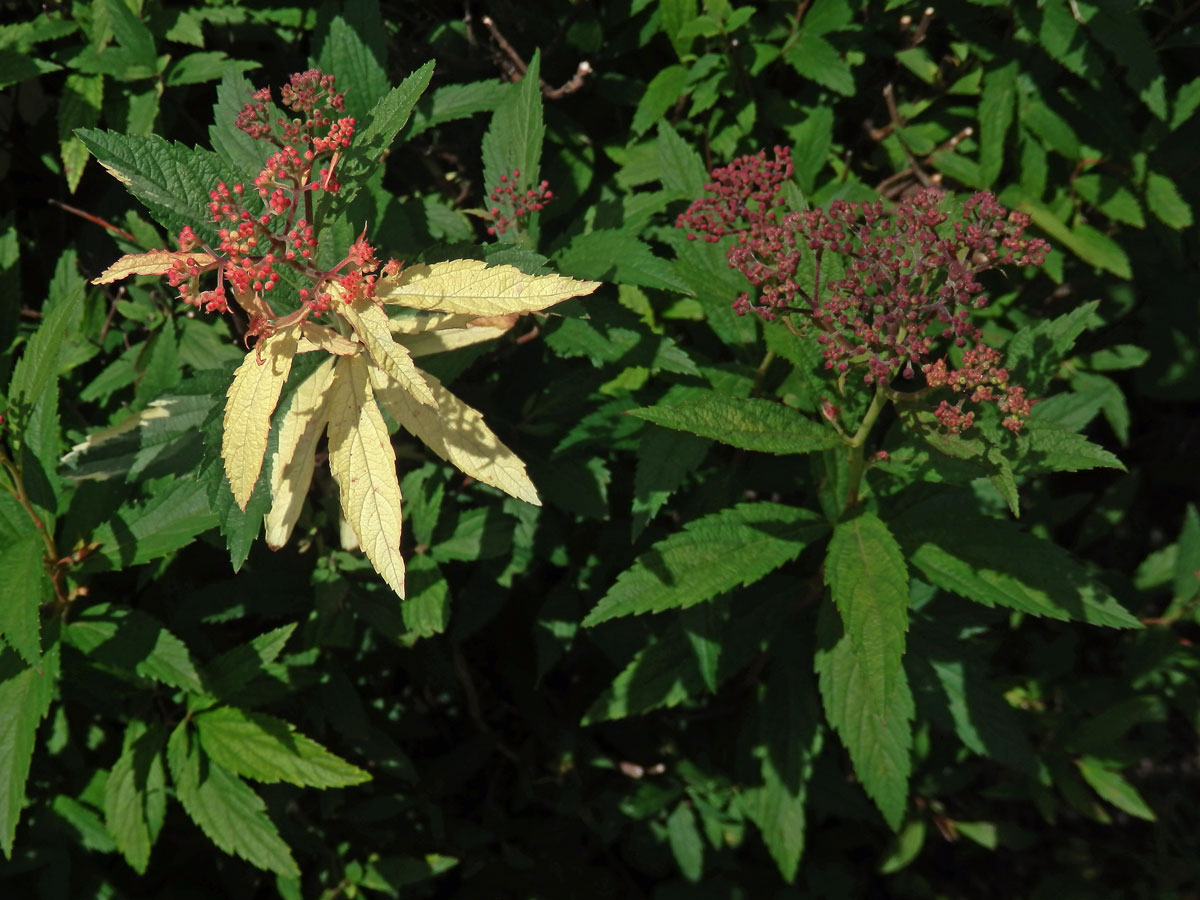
[[664, 459], [746, 423], [792, 741], [370, 323], [683, 170], [82, 97], [227, 810], [135, 642], [1052, 448], [155, 262], [226, 675], [392, 112], [135, 794], [659, 96], [874, 725], [294, 457], [513, 141], [816, 59], [237, 149], [1113, 787], [863, 683], [24, 587], [997, 105], [172, 180], [458, 434], [1165, 202], [1084, 241], [457, 101], [363, 464], [37, 369], [711, 555], [354, 49], [611, 254], [474, 288], [138, 533], [992, 562], [267, 749], [249, 403], [25, 694]]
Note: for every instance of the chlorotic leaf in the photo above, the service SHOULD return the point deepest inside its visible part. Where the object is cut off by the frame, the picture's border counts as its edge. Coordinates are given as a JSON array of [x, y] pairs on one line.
[[293, 460], [156, 262], [370, 323], [363, 464], [264, 748], [862, 680], [711, 555], [473, 287], [227, 810], [250, 401], [457, 434]]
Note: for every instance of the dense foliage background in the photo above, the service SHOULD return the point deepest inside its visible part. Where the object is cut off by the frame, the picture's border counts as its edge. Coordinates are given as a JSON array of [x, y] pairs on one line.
[[512, 751]]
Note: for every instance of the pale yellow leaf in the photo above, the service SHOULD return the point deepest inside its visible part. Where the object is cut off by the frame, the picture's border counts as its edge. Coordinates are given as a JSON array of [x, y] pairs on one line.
[[156, 262], [448, 339], [471, 286], [370, 323], [457, 434], [363, 464], [346, 535], [321, 337], [416, 321], [292, 461], [249, 403]]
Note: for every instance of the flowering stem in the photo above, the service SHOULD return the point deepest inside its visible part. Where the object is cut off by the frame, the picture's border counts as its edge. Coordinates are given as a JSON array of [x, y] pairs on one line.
[[855, 446]]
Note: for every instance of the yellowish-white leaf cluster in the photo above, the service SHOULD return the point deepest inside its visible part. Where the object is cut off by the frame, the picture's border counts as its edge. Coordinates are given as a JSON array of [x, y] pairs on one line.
[[371, 364]]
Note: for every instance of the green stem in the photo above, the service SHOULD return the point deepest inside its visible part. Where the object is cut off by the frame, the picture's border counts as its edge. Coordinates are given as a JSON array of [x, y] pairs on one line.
[[761, 372], [855, 445]]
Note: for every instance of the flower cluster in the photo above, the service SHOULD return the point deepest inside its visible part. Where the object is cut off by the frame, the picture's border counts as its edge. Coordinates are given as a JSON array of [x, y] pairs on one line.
[[884, 290], [515, 203], [254, 247]]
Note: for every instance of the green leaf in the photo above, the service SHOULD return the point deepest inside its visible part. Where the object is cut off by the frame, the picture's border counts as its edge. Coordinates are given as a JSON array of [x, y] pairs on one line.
[[134, 37], [426, 604], [863, 684], [683, 837], [135, 534], [457, 101], [133, 641], [682, 168], [513, 141], [1113, 787], [660, 95], [355, 50], [1187, 101], [674, 16], [82, 96], [242, 153], [24, 587], [1083, 240], [749, 424], [226, 809], [711, 555], [37, 370], [25, 694], [1118, 27], [172, 180], [135, 794], [269, 750], [15, 67], [1109, 195], [816, 59], [1185, 582], [392, 112], [226, 675], [789, 723], [664, 459], [992, 562], [615, 255], [1049, 447], [1164, 201], [202, 67], [997, 105]]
